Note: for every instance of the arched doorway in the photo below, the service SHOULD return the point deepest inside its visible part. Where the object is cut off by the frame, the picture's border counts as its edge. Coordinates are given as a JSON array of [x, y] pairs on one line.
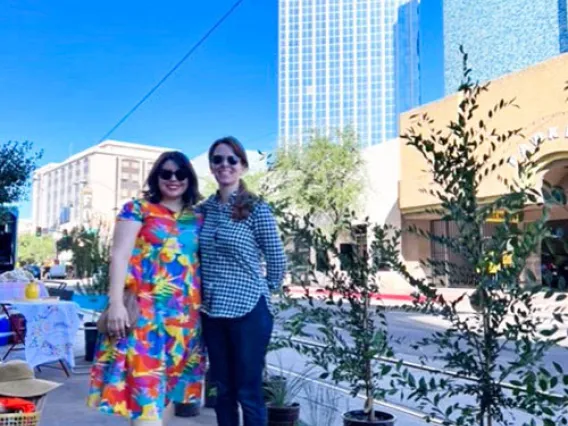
[[554, 249]]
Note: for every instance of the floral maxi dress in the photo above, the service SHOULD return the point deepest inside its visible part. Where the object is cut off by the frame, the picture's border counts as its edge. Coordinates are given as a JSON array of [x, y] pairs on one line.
[[161, 360]]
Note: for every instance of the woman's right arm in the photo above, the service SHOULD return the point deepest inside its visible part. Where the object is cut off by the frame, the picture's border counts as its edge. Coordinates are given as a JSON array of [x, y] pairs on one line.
[[125, 234]]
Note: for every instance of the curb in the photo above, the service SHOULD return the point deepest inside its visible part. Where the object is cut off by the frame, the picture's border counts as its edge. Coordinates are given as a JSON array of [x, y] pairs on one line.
[[377, 296]]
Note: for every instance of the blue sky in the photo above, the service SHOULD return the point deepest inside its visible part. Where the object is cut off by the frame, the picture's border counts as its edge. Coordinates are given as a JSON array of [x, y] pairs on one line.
[[70, 70]]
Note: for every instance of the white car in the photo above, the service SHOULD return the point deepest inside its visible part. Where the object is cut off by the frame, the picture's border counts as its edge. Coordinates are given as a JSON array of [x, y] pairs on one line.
[[57, 272]]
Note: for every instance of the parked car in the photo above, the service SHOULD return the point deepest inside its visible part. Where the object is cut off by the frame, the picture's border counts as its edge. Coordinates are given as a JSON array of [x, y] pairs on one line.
[[57, 272]]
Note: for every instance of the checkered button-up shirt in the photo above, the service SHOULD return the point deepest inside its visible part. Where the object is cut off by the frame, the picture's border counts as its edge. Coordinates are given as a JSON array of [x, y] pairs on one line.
[[232, 254]]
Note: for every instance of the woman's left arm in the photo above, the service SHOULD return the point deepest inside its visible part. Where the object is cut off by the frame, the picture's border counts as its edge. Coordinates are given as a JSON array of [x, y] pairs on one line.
[[268, 239]]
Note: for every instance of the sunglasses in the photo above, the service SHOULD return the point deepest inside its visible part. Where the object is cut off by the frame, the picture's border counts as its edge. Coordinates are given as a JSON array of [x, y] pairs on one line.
[[217, 160], [180, 174]]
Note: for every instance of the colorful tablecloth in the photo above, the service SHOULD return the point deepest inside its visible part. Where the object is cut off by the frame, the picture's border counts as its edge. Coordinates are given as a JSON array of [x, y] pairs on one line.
[[51, 328], [14, 290]]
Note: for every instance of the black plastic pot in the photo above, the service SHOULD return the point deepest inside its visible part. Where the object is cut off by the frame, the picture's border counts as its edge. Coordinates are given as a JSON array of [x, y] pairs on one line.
[[91, 336], [210, 391], [187, 410], [283, 416], [360, 418]]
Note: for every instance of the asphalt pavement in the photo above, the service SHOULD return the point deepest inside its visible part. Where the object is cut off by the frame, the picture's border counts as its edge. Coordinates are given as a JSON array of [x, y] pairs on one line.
[[406, 329]]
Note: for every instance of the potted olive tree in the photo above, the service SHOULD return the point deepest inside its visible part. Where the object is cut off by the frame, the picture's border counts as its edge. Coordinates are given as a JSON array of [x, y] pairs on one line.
[[497, 356], [91, 251], [350, 331], [93, 296]]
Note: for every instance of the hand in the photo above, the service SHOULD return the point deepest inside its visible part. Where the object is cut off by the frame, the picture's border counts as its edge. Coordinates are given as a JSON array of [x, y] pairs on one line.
[[118, 322]]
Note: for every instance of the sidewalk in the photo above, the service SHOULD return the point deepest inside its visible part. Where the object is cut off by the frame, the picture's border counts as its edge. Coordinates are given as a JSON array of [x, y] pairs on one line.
[[66, 405], [545, 307]]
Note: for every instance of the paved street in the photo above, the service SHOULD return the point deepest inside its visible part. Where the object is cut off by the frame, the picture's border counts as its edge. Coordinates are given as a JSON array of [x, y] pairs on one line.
[[407, 328], [66, 406]]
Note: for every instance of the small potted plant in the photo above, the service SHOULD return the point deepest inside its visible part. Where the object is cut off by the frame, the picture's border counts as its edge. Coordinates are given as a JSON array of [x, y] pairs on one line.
[[93, 295], [351, 333], [282, 393]]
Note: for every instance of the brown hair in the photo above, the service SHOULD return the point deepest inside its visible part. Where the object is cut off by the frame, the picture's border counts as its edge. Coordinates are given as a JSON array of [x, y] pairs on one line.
[[191, 195], [246, 200]]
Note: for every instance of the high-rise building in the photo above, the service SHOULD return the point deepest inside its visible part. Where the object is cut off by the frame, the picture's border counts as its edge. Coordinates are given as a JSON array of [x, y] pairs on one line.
[[90, 185], [500, 36], [346, 64]]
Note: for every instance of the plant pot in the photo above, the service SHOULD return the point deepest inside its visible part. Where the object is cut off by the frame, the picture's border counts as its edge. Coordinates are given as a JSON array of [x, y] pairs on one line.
[[187, 410], [266, 386], [283, 416], [91, 337], [359, 418], [210, 391]]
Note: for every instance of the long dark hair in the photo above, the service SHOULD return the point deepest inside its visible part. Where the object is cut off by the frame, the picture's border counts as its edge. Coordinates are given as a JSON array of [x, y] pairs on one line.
[[245, 200], [191, 195]]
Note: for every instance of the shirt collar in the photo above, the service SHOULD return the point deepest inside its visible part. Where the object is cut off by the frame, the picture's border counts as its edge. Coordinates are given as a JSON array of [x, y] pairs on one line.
[[232, 197]]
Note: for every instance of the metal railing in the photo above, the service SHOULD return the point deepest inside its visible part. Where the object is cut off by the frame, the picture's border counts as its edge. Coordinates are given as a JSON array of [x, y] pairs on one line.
[[420, 367]]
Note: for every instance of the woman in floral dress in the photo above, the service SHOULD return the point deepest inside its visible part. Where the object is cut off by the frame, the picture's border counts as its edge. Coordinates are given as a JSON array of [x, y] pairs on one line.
[[141, 369]]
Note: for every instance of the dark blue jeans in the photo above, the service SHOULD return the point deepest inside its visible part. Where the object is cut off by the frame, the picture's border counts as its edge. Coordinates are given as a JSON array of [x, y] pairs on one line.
[[236, 349]]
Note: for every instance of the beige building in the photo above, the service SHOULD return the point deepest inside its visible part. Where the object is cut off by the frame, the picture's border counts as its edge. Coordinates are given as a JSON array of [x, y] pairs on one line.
[[92, 185], [542, 114], [89, 185], [398, 184]]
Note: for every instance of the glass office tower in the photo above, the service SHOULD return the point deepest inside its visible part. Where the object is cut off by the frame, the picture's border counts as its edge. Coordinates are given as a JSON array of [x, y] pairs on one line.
[[500, 36], [346, 64]]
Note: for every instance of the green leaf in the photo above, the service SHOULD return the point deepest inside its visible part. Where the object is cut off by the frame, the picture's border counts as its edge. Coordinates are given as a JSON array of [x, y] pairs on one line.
[[549, 332]]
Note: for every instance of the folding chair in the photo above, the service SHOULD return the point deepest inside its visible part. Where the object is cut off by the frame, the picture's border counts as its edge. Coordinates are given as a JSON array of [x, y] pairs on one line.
[[62, 293]]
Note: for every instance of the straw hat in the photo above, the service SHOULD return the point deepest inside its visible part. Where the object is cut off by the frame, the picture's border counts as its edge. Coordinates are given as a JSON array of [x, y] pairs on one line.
[[17, 379]]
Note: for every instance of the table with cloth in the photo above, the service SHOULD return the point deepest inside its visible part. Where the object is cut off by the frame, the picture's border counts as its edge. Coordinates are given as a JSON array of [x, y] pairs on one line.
[[51, 328]]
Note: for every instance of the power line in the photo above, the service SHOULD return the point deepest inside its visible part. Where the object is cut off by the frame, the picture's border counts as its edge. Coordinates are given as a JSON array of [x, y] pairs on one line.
[[174, 69]]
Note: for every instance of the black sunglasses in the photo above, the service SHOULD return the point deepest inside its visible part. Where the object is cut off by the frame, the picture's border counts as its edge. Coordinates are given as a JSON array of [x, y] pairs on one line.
[[219, 159], [180, 174]]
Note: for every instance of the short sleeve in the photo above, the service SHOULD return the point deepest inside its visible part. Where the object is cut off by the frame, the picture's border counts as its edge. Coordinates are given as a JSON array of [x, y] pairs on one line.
[[132, 211]]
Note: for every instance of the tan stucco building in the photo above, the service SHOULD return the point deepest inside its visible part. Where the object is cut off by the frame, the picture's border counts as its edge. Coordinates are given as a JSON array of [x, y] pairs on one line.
[[542, 114]]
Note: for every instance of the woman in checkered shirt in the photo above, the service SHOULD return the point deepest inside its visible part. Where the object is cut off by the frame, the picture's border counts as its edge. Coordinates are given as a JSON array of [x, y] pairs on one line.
[[239, 233]]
